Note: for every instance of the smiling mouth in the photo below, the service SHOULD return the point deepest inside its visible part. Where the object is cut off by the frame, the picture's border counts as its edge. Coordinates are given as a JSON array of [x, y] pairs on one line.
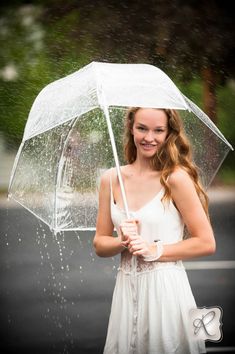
[[148, 146]]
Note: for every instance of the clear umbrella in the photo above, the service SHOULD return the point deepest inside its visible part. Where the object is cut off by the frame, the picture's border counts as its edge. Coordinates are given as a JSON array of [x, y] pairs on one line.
[[74, 132]]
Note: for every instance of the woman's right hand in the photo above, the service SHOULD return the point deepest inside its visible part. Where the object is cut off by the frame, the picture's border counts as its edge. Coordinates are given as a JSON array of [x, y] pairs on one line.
[[128, 229]]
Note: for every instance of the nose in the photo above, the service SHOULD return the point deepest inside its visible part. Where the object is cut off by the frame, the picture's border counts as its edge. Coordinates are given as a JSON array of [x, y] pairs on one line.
[[149, 136]]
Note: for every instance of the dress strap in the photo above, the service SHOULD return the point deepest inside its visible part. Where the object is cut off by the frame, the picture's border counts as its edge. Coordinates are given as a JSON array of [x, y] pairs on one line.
[[111, 187]]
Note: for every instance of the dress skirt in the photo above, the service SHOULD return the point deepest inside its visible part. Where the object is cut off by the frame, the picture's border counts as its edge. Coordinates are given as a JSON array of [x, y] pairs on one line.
[[161, 324]]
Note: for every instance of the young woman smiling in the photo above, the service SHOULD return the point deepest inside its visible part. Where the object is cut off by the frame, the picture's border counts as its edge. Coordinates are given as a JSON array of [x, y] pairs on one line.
[[151, 303]]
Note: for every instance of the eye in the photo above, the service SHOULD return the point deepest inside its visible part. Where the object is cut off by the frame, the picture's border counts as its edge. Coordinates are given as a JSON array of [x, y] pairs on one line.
[[159, 130], [141, 128]]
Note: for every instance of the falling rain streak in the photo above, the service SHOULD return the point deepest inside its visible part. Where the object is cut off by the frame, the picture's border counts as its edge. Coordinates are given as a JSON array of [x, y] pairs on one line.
[[53, 281], [57, 281]]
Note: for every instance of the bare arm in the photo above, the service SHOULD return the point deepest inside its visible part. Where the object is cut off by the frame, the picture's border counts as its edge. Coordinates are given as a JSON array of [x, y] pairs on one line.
[[106, 245], [201, 242]]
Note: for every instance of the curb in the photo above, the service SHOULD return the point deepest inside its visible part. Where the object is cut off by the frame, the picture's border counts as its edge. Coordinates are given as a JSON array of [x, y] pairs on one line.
[[215, 194]]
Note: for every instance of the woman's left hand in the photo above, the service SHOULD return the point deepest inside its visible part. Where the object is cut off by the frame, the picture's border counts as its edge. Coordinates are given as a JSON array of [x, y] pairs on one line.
[[139, 247]]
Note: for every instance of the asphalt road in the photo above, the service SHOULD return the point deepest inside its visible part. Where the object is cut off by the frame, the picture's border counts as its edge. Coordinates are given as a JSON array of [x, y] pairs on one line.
[[55, 293]]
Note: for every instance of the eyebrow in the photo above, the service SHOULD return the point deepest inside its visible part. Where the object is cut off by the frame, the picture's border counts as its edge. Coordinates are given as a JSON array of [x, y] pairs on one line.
[[145, 126]]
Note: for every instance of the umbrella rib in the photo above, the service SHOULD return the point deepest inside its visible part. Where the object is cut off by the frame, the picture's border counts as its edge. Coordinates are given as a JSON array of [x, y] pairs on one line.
[[217, 169], [14, 167], [58, 174]]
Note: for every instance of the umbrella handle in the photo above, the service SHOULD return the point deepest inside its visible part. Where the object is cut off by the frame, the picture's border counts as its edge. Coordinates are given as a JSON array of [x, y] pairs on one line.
[[113, 144]]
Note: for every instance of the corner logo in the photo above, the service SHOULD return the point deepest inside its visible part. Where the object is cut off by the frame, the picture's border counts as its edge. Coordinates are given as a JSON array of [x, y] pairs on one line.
[[206, 323]]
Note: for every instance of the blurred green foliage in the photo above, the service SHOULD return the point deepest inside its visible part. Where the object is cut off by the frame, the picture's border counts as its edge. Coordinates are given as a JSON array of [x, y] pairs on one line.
[[226, 108], [44, 41], [225, 112], [28, 62]]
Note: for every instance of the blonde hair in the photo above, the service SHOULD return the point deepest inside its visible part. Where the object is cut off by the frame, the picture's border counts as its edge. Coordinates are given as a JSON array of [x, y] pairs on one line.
[[175, 151]]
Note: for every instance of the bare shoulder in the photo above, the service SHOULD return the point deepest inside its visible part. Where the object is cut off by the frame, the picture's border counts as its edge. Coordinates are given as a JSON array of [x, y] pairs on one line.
[[178, 176], [180, 179], [111, 175], [105, 177]]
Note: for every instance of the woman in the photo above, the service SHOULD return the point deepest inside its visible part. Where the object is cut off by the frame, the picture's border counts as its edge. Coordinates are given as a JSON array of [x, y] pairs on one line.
[[152, 296]]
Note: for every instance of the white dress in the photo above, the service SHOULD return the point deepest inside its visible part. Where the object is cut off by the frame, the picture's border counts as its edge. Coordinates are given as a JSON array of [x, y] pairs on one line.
[[151, 300]]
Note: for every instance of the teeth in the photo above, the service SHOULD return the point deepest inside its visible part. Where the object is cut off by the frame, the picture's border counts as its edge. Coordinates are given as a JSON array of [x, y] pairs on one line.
[[149, 145]]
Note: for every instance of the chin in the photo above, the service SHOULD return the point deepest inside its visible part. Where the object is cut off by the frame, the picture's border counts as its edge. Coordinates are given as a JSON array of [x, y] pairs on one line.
[[149, 154]]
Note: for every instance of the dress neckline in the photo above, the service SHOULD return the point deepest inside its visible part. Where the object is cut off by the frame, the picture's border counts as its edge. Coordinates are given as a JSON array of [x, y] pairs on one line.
[[156, 196]]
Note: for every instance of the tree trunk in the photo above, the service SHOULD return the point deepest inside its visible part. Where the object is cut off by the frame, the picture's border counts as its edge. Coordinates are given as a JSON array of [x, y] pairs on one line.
[[210, 108], [209, 93]]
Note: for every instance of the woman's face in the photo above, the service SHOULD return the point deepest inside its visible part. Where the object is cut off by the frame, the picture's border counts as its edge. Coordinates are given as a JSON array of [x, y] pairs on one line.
[[149, 130]]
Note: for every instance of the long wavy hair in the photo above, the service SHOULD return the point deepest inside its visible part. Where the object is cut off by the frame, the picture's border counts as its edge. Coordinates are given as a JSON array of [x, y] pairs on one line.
[[175, 151]]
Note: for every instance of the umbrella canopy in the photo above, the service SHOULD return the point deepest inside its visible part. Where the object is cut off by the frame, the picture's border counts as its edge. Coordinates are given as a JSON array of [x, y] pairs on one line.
[[74, 132]]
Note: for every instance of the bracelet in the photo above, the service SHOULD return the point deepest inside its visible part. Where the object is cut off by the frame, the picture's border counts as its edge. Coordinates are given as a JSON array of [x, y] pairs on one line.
[[158, 253]]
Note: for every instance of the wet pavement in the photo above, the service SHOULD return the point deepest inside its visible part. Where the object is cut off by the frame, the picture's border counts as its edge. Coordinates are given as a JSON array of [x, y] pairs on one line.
[[55, 293]]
